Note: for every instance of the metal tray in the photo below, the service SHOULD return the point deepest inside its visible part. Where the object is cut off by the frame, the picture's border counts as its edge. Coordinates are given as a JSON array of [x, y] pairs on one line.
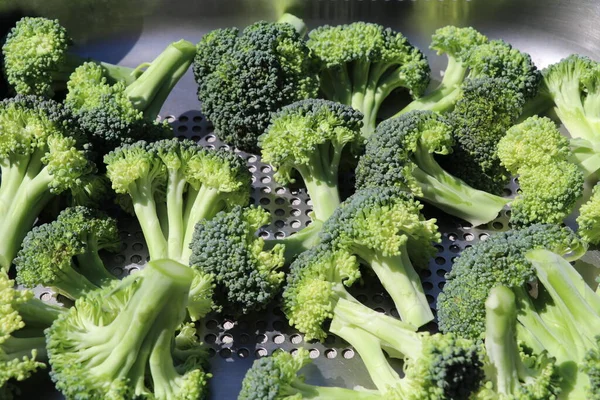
[[548, 30]]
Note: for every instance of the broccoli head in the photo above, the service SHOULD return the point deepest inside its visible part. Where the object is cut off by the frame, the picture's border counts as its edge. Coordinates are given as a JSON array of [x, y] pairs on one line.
[[589, 218], [401, 154], [118, 341], [244, 77], [363, 63], [591, 367], [41, 156], [227, 247]]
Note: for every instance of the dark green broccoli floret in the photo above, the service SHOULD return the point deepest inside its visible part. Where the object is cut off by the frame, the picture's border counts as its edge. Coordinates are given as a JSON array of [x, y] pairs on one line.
[[363, 63], [244, 77], [572, 86], [118, 342], [226, 246], [486, 108], [512, 372], [472, 55], [40, 157], [385, 229], [401, 154], [22, 342], [114, 113], [173, 184], [550, 179], [37, 58], [436, 366], [63, 254], [276, 378]]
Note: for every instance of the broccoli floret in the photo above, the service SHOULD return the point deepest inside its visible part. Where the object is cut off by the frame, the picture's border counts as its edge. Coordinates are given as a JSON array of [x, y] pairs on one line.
[[226, 246], [112, 113], [385, 229], [499, 260], [363, 63], [513, 373], [472, 55], [550, 182], [486, 108], [40, 157], [437, 366], [173, 184], [401, 154], [591, 366], [244, 77], [118, 342], [22, 343], [37, 59], [572, 86], [589, 218], [63, 254], [276, 378]]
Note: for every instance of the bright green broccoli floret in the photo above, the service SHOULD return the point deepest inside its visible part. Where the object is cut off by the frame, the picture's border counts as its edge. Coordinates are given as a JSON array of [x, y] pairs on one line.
[[573, 87], [173, 184], [40, 157], [437, 366], [486, 108], [385, 229], [276, 378], [401, 154], [22, 322], [227, 247], [37, 58], [308, 138], [550, 182], [589, 218], [471, 55], [118, 342], [112, 113], [363, 63], [244, 77], [63, 254], [512, 373]]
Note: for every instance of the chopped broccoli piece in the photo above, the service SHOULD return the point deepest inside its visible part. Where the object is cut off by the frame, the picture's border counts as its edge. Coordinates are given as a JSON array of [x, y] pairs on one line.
[[173, 184], [63, 254], [118, 341], [244, 77], [40, 157], [22, 343], [275, 378], [589, 218], [401, 154], [226, 246], [37, 59], [363, 63], [484, 111], [512, 372]]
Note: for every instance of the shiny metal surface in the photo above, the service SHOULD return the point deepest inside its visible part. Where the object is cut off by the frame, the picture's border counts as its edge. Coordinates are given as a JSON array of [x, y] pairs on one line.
[[132, 31]]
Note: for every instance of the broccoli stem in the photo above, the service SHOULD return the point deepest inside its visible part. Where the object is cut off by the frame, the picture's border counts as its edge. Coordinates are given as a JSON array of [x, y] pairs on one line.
[[16, 348], [501, 340], [175, 190], [586, 156], [92, 267], [368, 346], [296, 22], [306, 391], [71, 283], [360, 82], [299, 242], [13, 172], [39, 314], [438, 101], [144, 206], [115, 73], [399, 278], [577, 124], [340, 82], [159, 74]]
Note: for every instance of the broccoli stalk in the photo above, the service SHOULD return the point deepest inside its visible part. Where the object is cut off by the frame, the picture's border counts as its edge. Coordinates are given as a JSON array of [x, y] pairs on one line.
[[118, 341], [174, 184], [401, 154], [39, 158], [259, 381], [511, 372], [37, 59], [363, 63], [63, 254]]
